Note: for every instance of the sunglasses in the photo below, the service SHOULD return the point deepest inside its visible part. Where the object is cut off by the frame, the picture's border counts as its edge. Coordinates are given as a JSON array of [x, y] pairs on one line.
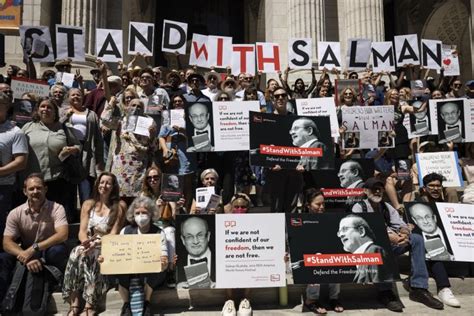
[[239, 207], [223, 99], [278, 96], [458, 85], [129, 98], [248, 78], [156, 178]]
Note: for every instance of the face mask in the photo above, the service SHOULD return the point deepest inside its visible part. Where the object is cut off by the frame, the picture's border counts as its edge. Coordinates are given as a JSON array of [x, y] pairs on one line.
[[142, 219]]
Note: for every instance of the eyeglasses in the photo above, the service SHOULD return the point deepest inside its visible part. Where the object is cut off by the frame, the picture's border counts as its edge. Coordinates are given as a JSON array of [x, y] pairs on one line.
[[129, 98], [348, 93], [240, 207], [434, 186], [146, 77], [424, 218], [457, 85], [155, 178], [178, 101], [200, 237], [194, 80], [278, 96], [223, 99], [344, 230], [248, 78]]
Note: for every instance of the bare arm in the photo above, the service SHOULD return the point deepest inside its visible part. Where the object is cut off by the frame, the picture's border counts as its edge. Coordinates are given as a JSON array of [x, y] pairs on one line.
[[284, 81], [18, 163], [120, 219], [313, 81], [83, 227]]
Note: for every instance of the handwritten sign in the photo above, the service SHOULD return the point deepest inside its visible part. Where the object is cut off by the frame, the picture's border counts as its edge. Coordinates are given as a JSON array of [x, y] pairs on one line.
[[20, 86], [126, 254], [443, 163]]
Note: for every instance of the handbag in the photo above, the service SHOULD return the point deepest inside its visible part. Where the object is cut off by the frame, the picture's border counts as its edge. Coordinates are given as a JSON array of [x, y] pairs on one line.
[[73, 171]]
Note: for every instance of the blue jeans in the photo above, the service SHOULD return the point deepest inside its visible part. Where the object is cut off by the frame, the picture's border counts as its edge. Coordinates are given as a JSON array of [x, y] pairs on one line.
[[6, 204]]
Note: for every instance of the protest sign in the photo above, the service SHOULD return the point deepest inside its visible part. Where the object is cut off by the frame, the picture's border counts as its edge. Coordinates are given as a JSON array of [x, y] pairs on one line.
[[268, 57], [174, 37], [419, 122], [30, 34], [452, 119], [382, 57], [70, 41], [21, 86], [220, 51], [342, 187], [203, 195], [418, 88], [428, 224], [340, 87], [458, 220], [403, 168], [10, 15], [141, 38], [23, 111], [195, 245], [323, 248], [290, 140], [250, 250], [431, 54], [142, 125], [231, 124], [177, 118], [319, 107], [300, 53], [199, 54], [243, 59], [358, 53], [444, 163], [109, 45], [199, 129], [65, 78], [171, 187], [329, 55], [450, 61], [406, 50], [372, 125], [2, 50], [131, 254]]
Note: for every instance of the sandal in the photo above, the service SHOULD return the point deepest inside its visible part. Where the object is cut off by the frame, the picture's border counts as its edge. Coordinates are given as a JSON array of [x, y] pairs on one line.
[[316, 308], [336, 305], [73, 310]]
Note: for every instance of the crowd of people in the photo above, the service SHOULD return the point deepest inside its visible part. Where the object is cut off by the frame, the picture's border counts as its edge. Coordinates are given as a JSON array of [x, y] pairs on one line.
[[76, 160]]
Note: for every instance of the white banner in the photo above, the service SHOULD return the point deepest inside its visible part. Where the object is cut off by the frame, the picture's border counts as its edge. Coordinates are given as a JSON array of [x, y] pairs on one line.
[[243, 59], [358, 53], [109, 45], [268, 57], [431, 54], [220, 51], [444, 163], [174, 37], [70, 42], [231, 124], [382, 57], [368, 126], [406, 50], [329, 55], [37, 37], [199, 54], [21, 86], [141, 38], [319, 107], [250, 250], [300, 53]]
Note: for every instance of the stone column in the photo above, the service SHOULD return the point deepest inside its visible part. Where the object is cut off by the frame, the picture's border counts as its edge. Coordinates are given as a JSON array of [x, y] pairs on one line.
[[360, 19], [306, 19]]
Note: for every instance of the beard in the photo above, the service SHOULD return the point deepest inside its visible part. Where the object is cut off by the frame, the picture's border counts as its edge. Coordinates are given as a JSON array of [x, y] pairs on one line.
[[374, 198]]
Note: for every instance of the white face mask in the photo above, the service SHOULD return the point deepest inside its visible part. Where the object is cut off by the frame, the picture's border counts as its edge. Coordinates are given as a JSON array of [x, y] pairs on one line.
[[142, 219]]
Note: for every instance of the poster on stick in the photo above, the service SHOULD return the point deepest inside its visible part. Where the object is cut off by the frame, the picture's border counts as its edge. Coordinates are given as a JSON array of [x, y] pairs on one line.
[[250, 250]]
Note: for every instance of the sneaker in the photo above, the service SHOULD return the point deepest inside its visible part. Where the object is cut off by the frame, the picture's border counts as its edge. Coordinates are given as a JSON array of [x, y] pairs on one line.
[[126, 311], [447, 297], [146, 309], [390, 301], [406, 284], [244, 308], [171, 279], [229, 309], [423, 296]]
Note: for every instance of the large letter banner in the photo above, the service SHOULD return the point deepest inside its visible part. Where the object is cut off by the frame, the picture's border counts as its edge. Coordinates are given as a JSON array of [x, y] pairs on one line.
[[37, 39], [382, 57], [329, 55], [220, 51], [250, 250], [243, 59], [291, 141], [300, 53], [141, 38], [368, 126], [319, 107], [358, 53], [340, 248], [70, 42], [109, 45], [231, 124], [199, 54], [444, 163], [406, 50], [431, 54], [268, 57], [174, 37]]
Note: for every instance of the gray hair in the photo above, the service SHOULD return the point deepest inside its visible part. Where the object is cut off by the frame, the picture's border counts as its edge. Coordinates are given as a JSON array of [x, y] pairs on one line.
[[58, 86], [144, 201]]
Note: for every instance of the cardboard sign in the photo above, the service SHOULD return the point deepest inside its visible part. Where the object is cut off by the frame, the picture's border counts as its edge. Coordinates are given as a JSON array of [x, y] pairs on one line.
[[382, 57], [70, 42], [290, 140], [220, 51], [358, 53], [30, 34], [109, 45], [323, 248], [329, 55], [243, 59], [406, 50], [371, 125], [268, 57], [141, 38], [249, 250], [444, 163], [21, 86], [300, 53], [131, 254], [199, 54], [319, 107], [174, 37]]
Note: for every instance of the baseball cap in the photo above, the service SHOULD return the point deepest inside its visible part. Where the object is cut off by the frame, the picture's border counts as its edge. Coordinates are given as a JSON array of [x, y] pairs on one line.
[[373, 182]]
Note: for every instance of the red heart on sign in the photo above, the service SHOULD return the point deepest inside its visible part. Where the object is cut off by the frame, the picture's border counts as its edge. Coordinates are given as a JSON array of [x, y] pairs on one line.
[[447, 61]]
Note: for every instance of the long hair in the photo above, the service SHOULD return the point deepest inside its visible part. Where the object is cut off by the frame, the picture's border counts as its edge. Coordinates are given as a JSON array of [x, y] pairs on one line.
[[114, 198], [386, 100], [146, 188], [36, 117], [354, 95]]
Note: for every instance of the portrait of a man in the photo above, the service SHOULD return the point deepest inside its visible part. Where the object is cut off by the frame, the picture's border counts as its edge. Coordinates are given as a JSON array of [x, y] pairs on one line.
[[200, 129], [305, 134], [436, 243], [351, 140], [351, 175], [172, 187], [450, 126], [419, 120], [357, 237]]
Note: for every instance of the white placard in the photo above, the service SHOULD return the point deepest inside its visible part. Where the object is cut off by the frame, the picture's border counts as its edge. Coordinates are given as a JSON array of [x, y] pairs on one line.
[[268, 57], [329, 55], [220, 51], [70, 42], [319, 107], [199, 54], [203, 195], [31, 34], [300, 53], [382, 57], [358, 53], [141, 38], [444, 163], [174, 37], [450, 61], [243, 59], [466, 116], [21, 86], [431, 54], [249, 250], [109, 45], [231, 124], [177, 118], [406, 50], [66, 78]]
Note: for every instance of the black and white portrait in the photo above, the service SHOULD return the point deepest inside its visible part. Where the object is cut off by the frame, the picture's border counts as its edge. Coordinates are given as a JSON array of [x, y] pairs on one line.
[[351, 140], [420, 119], [450, 121], [199, 127], [430, 227], [351, 174], [385, 139], [403, 166], [195, 244], [171, 187]]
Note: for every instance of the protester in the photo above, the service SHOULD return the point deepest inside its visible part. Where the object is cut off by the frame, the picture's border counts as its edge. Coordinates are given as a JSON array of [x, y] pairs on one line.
[[101, 215], [299, 91]]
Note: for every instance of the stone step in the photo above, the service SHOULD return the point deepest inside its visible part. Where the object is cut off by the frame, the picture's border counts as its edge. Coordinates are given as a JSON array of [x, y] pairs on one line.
[[264, 300]]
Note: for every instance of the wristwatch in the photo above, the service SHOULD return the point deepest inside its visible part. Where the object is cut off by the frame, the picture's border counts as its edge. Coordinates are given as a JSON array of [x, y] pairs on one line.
[[36, 247]]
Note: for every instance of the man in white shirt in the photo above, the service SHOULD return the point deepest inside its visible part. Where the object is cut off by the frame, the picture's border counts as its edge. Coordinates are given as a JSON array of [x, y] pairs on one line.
[[212, 82]]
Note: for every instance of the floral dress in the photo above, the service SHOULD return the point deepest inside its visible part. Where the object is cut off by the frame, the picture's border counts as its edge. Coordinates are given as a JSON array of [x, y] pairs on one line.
[[82, 272]]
